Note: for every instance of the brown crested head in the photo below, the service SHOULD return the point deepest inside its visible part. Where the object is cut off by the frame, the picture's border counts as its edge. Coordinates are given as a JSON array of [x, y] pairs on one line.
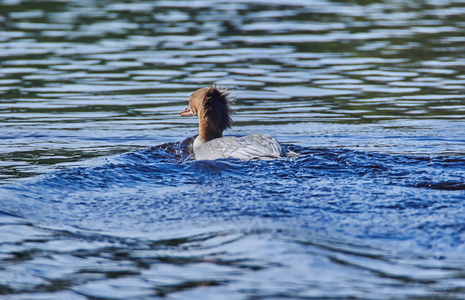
[[211, 104]]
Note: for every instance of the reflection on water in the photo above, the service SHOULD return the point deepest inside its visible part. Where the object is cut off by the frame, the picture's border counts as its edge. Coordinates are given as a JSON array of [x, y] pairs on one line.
[[90, 79], [82, 79]]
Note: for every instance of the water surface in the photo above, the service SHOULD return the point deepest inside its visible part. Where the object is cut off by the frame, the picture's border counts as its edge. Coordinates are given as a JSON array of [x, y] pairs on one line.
[[100, 199]]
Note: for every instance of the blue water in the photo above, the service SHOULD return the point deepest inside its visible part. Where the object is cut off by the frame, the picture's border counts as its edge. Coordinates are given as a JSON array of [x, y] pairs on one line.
[[330, 223], [100, 200]]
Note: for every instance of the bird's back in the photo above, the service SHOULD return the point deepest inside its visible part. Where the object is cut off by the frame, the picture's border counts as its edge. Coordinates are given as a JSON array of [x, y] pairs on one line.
[[251, 147]]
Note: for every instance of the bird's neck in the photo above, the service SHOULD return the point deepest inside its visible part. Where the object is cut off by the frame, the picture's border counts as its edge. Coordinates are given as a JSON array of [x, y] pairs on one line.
[[207, 133]]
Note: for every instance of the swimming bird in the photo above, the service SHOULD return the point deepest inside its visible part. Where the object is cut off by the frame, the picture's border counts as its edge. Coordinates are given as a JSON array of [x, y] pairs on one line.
[[211, 105]]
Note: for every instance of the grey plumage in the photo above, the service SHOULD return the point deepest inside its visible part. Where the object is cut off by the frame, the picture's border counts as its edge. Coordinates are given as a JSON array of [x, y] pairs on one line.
[[252, 147]]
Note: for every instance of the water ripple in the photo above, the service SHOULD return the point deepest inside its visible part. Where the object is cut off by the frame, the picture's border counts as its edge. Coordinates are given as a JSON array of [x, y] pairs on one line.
[[369, 93], [364, 211]]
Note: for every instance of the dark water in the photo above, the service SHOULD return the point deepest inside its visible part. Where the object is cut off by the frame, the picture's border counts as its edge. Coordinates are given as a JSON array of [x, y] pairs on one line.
[[100, 200], [331, 223]]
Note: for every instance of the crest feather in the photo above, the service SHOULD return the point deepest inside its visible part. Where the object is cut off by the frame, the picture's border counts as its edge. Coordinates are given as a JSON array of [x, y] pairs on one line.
[[216, 108]]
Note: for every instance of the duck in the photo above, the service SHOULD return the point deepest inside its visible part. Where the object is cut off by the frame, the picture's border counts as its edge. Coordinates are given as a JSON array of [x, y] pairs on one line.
[[211, 106]]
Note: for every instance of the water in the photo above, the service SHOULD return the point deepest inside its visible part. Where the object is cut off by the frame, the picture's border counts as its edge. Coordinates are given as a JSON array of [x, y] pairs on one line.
[[100, 200]]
